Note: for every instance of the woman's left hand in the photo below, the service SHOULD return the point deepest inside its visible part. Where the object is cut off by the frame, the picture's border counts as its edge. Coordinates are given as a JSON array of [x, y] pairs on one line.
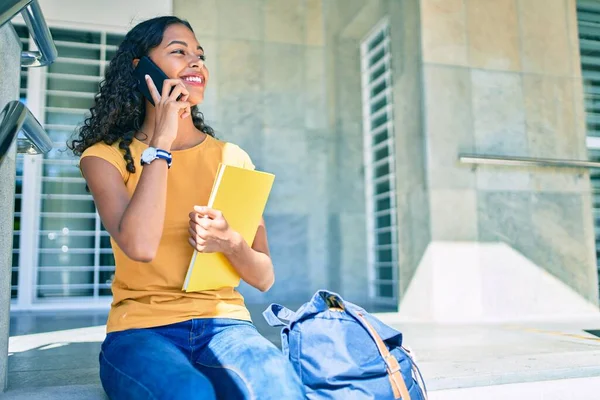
[[210, 232]]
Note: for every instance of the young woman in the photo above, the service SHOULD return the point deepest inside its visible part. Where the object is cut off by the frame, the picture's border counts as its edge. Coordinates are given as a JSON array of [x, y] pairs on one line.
[[150, 170]]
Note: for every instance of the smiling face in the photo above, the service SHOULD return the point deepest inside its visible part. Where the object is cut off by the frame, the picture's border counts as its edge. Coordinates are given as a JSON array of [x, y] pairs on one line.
[[180, 56]]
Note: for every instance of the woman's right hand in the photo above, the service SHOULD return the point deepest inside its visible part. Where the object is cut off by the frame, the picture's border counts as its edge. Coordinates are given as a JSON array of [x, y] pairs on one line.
[[168, 111]]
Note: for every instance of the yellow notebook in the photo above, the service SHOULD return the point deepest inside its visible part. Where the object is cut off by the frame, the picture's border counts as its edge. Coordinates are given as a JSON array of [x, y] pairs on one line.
[[241, 195]]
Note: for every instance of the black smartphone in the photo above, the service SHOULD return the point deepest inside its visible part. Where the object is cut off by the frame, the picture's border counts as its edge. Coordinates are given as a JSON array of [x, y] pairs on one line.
[[147, 67]]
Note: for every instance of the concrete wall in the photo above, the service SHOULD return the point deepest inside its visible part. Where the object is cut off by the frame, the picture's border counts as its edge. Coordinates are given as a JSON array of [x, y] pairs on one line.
[[503, 77], [412, 186], [267, 93], [10, 52]]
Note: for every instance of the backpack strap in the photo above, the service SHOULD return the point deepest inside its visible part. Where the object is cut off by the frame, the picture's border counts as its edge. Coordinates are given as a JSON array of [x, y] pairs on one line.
[[275, 315], [393, 367], [417, 372]]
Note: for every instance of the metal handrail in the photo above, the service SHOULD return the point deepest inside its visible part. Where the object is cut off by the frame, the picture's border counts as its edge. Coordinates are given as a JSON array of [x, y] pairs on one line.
[[525, 161], [34, 18], [15, 117]]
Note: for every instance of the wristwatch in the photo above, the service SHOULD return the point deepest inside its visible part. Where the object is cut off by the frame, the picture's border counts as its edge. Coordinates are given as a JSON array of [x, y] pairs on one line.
[[152, 153]]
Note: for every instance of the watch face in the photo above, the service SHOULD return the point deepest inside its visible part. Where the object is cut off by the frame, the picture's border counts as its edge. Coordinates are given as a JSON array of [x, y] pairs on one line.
[[148, 155]]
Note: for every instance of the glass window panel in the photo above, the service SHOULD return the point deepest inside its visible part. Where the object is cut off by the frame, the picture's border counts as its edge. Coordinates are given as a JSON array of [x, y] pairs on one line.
[[106, 278], [384, 221], [110, 54], [385, 290], [380, 37], [379, 88], [67, 206], [377, 57], [107, 259], [382, 170], [64, 118], [382, 153], [385, 273], [378, 72], [105, 242], [380, 137], [67, 221], [379, 121], [382, 187], [83, 86], [59, 240], [64, 170], [65, 259], [14, 283], [74, 51], [76, 36], [114, 39], [384, 238], [64, 187], [385, 255], [53, 100], [384, 203], [66, 67], [379, 105]]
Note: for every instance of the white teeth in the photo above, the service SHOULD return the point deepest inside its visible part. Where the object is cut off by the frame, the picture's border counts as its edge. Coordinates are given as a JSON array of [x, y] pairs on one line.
[[193, 79]]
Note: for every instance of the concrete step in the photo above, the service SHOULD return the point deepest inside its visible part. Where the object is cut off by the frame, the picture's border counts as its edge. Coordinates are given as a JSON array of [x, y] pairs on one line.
[[541, 360], [71, 392], [562, 389]]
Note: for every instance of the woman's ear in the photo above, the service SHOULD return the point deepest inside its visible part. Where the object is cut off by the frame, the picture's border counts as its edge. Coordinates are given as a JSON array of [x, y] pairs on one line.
[[135, 62]]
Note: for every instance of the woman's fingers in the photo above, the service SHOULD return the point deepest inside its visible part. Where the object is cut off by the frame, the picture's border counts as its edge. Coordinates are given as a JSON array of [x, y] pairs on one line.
[[186, 113], [169, 86], [195, 245], [182, 107], [153, 90], [197, 236], [175, 93], [200, 224]]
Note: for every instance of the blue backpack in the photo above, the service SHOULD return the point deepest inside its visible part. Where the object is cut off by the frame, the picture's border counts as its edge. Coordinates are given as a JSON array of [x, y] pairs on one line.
[[341, 352]]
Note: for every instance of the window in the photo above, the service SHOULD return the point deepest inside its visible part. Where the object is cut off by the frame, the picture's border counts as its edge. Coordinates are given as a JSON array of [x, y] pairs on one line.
[[379, 165], [588, 15], [63, 251]]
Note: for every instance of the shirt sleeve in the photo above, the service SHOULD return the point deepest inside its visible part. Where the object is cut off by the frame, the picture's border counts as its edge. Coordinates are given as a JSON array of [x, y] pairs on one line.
[[236, 156], [109, 153], [247, 161]]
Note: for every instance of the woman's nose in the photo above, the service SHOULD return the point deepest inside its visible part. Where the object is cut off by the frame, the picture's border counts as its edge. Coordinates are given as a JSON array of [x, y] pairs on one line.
[[196, 62]]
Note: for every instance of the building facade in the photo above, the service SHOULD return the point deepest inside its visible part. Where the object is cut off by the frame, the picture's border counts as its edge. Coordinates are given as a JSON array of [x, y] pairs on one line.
[[362, 109]]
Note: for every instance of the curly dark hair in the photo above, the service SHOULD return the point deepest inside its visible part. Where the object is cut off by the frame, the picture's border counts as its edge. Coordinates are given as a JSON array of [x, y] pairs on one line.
[[119, 107]]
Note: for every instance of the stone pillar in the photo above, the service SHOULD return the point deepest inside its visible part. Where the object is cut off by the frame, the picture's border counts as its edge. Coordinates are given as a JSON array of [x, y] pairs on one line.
[[10, 51], [503, 77]]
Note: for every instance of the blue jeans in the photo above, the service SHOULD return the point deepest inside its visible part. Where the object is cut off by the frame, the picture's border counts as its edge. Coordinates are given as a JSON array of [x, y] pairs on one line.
[[197, 359]]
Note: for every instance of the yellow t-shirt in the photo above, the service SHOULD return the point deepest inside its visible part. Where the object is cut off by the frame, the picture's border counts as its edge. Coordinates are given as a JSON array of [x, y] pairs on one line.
[[149, 294]]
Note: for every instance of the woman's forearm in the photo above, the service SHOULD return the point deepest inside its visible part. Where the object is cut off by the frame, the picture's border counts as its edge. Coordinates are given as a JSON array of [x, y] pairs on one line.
[[141, 226], [254, 267]]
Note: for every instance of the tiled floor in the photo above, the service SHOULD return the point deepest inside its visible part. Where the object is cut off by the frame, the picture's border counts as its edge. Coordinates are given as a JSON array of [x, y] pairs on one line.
[[58, 352], [26, 323]]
